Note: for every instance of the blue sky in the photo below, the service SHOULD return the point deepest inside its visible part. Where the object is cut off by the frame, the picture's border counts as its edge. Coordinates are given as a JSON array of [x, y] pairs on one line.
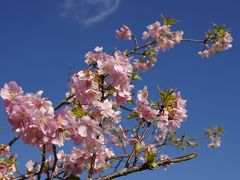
[[39, 39]]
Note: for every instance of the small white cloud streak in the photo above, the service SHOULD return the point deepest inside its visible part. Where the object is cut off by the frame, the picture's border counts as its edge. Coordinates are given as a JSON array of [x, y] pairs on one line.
[[89, 12]]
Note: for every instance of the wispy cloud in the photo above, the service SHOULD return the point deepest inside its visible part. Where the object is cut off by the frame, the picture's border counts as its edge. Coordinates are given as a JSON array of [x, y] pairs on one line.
[[89, 12]]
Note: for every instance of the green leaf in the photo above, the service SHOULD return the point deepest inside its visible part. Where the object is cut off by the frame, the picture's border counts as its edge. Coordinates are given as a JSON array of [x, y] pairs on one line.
[[77, 111], [192, 143], [153, 165], [132, 116], [219, 130], [137, 77], [168, 21], [137, 148]]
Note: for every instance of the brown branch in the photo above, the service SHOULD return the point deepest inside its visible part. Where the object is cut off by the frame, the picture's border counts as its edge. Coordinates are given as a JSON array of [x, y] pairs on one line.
[[64, 102], [91, 170], [134, 149], [43, 162], [135, 41], [10, 143], [145, 45], [55, 160], [146, 166], [127, 109], [193, 40]]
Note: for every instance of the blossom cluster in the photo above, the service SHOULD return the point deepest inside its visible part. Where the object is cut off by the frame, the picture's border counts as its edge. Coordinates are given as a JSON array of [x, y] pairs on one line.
[[114, 73], [168, 116], [162, 34], [143, 108], [173, 113], [29, 114], [124, 33], [221, 44], [92, 110]]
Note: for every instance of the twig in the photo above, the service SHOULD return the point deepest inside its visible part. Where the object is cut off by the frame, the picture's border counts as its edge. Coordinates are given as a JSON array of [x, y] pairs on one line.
[[43, 162], [10, 143], [134, 149], [55, 160], [63, 102], [135, 41], [90, 173], [193, 40], [118, 164], [126, 108]]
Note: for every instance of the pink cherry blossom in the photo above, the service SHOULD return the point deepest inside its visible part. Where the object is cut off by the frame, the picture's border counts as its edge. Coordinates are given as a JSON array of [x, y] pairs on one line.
[[124, 33], [84, 86], [29, 165], [164, 157], [143, 109], [171, 117], [222, 44], [164, 37]]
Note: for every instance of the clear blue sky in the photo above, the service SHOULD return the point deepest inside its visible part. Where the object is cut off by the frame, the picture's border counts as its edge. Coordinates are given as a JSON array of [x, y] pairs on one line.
[[39, 39]]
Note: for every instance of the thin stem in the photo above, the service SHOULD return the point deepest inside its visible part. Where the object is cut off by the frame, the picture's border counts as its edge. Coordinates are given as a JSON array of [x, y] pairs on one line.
[[134, 148], [135, 41], [90, 173], [145, 45], [127, 109], [55, 160], [193, 40], [43, 162], [64, 102]]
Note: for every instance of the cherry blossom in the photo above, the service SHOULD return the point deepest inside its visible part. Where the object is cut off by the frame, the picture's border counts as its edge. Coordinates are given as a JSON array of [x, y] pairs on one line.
[[124, 33]]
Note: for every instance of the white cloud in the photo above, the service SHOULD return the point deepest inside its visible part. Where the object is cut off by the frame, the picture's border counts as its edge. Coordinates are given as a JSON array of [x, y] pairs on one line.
[[88, 12]]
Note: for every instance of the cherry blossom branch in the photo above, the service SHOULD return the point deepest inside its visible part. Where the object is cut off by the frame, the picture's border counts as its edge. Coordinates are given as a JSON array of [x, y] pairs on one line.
[[127, 109], [43, 162], [12, 141], [193, 40], [135, 40], [134, 149], [90, 173], [64, 102], [146, 166], [55, 160], [144, 45]]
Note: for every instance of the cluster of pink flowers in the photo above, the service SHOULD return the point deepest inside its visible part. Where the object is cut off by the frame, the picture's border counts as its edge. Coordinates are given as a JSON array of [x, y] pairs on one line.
[[144, 64], [117, 135], [124, 33], [117, 69], [172, 115], [222, 44], [85, 87], [30, 115], [163, 36], [143, 108], [80, 159], [92, 110]]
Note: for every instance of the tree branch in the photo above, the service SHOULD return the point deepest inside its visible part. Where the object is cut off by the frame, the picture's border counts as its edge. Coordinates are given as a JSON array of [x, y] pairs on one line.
[[10, 143], [134, 149], [55, 160], [143, 167], [43, 162]]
